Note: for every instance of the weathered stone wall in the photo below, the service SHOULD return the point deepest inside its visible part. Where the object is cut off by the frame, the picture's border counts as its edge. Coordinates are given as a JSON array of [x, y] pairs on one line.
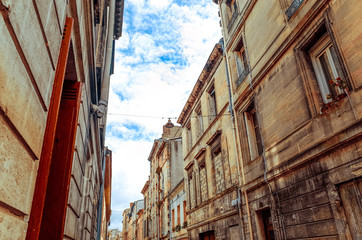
[[312, 150], [29, 47], [31, 34]]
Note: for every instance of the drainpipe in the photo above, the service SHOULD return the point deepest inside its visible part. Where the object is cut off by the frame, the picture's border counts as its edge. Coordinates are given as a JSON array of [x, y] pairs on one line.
[[101, 108], [231, 109]]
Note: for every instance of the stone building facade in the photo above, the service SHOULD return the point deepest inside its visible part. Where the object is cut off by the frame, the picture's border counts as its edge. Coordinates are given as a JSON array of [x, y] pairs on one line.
[[210, 162], [146, 210], [125, 223], [132, 217], [55, 68], [295, 77], [165, 172], [177, 209]]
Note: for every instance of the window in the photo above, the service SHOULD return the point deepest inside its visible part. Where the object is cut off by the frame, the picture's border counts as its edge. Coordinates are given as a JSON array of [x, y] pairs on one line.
[[178, 215], [212, 104], [241, 62], [324, 74], [191, 189], [184, 207], [173, 218], [232, 13], [218, 165], [253, 132], [200, 127], [327, 69], [189, 136], [203, 180], [293, 7]]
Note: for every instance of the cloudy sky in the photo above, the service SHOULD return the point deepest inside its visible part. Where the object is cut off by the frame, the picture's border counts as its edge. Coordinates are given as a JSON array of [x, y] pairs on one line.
[[163, 49]]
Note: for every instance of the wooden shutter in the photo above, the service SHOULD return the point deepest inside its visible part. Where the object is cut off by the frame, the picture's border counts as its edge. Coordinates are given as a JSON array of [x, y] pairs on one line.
[[55, 206], [49, 136]]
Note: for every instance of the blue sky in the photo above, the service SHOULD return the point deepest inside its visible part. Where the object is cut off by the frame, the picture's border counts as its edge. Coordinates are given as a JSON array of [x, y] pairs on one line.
[[163, 49]]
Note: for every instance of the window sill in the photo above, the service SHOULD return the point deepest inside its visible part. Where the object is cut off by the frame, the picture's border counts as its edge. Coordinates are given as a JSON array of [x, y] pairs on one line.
[[333, 103]]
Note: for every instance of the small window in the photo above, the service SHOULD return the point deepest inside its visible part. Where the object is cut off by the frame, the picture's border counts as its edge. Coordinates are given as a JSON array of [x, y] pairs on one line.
[[191, 186], [189, 136], [293, 7], [178, 215], [185, 217], [203, 180], [241, 62], [200, 127], [173, 218], [327, 69], [212, 104], [253, 132]]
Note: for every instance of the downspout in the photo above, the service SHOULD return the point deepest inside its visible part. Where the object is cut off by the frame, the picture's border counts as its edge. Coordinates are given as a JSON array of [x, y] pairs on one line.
[[235, 135], [279, 215], [232, 113], [101, 109]]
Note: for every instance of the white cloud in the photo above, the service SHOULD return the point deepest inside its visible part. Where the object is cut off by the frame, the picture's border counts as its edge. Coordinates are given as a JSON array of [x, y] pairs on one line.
[[158, 60], [159, 4]]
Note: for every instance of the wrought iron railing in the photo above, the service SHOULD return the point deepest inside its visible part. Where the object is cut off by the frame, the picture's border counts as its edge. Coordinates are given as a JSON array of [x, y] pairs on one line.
[[232, 20], [293, 8], [241, 77]]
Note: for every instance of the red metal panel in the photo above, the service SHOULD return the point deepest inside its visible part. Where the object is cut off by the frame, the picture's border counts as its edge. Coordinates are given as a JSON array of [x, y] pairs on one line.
[[45, 158], [55, 206]]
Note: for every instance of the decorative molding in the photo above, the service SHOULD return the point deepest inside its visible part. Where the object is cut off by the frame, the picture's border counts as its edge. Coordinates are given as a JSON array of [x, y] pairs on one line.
[[214, 137], [200, 153]]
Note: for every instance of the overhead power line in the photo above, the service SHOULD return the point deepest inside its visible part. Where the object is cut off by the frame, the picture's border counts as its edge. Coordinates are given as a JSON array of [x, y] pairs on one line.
[[145, 116]]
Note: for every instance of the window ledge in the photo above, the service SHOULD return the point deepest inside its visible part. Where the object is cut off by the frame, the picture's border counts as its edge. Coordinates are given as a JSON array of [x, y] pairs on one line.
[[333, 103]]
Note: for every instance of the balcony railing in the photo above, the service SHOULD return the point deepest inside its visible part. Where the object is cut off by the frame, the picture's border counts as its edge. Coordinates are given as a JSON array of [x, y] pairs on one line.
[[232, 20], [241, 77], [293, 8]]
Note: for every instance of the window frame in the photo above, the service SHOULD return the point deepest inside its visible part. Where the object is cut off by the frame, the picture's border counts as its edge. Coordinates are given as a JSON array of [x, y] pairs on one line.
[[241, 62], [304, 44], [253, 133], [202, 165], [200, 125], [189, 136], [324, 46], [212, 103]]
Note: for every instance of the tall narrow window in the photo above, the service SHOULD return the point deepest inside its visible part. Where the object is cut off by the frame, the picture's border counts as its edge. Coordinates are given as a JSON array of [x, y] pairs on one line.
[[241, 62], [212, 104], [189, 136], [173, 218], [203, 180], [191, 186], [178, 215], [184, 208], [200, 127], [232, 13], [327, 69], [253, 132]]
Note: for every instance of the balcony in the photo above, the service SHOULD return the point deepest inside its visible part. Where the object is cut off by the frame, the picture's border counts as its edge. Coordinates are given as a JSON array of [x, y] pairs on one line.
[[241, 77], [293, 8], [232, 20]]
